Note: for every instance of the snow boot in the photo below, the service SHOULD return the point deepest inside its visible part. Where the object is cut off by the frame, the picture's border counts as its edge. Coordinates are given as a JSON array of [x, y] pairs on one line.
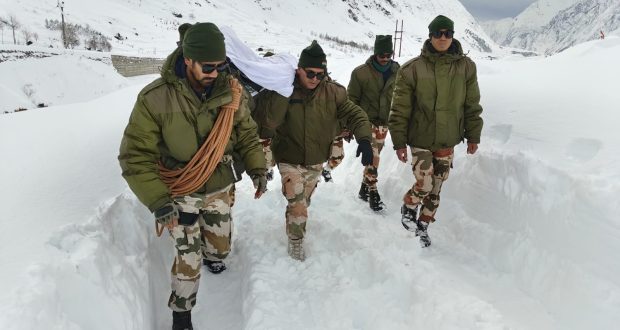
[[422, 231], [269, 174], [214, 267], [409, 216], [419, 227], [296, 249], [363, 194], [327, 175], [182, 321], [374, 200]]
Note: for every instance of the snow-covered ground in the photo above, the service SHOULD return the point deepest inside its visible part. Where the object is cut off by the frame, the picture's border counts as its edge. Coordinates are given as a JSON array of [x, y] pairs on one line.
[[525, 239]]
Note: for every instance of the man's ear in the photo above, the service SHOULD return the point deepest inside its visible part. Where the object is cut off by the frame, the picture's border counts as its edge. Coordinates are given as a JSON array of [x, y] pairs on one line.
[[188, 62]]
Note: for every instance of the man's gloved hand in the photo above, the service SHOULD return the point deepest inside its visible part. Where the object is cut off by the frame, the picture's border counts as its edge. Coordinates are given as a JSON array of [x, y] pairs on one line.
[[472, 148], [365, 150], [260, 183], [167, 215]]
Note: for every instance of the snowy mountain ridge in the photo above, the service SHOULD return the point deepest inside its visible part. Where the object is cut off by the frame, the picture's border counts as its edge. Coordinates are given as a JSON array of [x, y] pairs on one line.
[[551, 26], [282, 25]]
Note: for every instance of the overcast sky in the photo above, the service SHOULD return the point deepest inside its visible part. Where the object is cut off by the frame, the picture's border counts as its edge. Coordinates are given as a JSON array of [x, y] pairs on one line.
[[494, 9]]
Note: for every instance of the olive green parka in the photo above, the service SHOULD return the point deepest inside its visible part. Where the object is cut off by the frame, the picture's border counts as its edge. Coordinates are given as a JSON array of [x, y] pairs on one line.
[[304, 125], [368, 90], [436, 102], [169, 123]]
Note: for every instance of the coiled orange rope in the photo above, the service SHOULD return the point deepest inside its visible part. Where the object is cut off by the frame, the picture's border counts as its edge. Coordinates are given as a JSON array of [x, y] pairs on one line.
[[193, 176]]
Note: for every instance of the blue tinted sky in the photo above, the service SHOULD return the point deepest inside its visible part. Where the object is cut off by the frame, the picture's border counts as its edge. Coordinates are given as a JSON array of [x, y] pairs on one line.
[[494, 9]]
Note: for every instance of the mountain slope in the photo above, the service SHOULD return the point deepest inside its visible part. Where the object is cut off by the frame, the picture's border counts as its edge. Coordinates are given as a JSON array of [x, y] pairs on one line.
[[148, 27], [550, 26]]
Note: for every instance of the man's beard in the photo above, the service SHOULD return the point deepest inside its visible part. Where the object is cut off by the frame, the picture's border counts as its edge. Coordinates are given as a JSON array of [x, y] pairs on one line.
[[204, 82]]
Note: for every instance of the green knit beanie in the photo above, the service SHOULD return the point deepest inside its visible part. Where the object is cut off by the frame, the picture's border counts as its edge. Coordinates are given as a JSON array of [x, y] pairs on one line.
[[383, 44], [203, 42], [441, 22], [182, 29], [313, 57]]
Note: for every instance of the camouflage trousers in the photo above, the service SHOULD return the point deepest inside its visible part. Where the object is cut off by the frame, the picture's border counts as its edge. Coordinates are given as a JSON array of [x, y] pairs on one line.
[[298, 184], [378, 141], [204, 231], [336, 151], [430, 170], [266, 143]]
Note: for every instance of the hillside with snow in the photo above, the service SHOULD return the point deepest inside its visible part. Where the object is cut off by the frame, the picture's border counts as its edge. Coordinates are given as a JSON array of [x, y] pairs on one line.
[[148, 27], [525, 238], [551, 26]]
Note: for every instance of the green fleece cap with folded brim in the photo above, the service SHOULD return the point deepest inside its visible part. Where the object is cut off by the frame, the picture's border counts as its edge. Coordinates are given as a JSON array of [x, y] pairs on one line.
[[204, 42], [313, 57], [383, 44], [440, 23], [182, 29]]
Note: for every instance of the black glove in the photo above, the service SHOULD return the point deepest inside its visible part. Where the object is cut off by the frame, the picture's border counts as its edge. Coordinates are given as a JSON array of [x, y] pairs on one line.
[[260, 182], [165, 214], [365, 149]]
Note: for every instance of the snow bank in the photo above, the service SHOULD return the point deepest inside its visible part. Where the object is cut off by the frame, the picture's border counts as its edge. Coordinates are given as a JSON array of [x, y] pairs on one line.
[[524, 238]]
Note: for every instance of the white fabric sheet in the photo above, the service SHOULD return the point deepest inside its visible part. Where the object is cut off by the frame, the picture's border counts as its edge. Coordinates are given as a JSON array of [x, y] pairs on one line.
[[274, 73]]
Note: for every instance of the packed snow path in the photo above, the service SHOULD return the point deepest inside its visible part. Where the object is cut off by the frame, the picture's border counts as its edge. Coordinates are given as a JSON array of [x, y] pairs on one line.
[[525, 238]]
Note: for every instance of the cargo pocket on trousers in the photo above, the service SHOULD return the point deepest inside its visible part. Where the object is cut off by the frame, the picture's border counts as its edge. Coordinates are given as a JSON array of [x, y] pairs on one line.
[[188, 219], [179, 233]]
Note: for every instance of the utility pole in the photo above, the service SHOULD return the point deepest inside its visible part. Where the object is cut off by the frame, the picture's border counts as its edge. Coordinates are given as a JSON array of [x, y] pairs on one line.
[[398, 36], [61, 4]]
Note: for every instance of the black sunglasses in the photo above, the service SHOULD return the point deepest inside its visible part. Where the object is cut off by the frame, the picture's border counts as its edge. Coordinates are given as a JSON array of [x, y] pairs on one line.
[[438, 34], [208, 68], [312, 74], [386, 55]]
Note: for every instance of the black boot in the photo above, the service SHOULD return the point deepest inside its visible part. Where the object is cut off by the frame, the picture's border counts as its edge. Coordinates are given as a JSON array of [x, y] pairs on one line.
[[374, 200], [182, 321], [422, 231], [411, 223], [363, 194], [409, 217], [214, 267], [327, 175]]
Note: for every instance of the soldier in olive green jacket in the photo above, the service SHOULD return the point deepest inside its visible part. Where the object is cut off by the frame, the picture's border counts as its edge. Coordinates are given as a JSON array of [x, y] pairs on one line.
[[371, 87], [303, 127], [436, 105], [171, 119]]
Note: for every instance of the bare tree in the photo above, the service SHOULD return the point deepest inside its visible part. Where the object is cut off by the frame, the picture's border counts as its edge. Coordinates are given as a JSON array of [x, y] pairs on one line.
[[14, 25], [28, 36], [2, 24], [71, 36]]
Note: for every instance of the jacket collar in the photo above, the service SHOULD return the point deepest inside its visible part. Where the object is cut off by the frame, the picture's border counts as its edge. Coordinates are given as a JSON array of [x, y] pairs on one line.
[[393, 66], [455, 52], [173, 72]]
